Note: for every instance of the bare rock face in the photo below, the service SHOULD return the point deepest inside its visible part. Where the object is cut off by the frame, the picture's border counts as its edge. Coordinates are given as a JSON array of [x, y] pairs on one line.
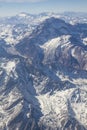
[[43, 79]]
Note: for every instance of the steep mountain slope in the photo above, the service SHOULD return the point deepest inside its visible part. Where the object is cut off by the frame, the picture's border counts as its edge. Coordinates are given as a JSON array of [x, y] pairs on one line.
[[43, 79]]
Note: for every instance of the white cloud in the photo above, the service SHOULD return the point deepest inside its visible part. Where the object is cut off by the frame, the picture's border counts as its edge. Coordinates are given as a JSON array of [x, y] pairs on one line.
[[21, 1]]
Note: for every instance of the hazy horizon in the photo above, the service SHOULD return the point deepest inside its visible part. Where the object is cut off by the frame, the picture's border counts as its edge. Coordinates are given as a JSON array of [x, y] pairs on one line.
[[13, 7]]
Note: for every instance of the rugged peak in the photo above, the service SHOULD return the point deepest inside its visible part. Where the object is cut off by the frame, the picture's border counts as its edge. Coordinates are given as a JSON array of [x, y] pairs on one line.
[[53, 22], [49, 29]]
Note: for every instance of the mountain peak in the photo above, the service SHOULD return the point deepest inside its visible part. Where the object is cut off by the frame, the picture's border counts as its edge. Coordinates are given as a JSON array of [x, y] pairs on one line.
[[23, 14]]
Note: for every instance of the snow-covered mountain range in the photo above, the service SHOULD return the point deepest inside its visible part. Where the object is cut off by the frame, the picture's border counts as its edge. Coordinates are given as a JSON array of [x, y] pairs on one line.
[[14, 28], [43, 72]]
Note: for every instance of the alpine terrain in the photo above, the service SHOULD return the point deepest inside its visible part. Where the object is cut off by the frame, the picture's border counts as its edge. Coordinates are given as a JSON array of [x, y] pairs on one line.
[[43, 72]]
